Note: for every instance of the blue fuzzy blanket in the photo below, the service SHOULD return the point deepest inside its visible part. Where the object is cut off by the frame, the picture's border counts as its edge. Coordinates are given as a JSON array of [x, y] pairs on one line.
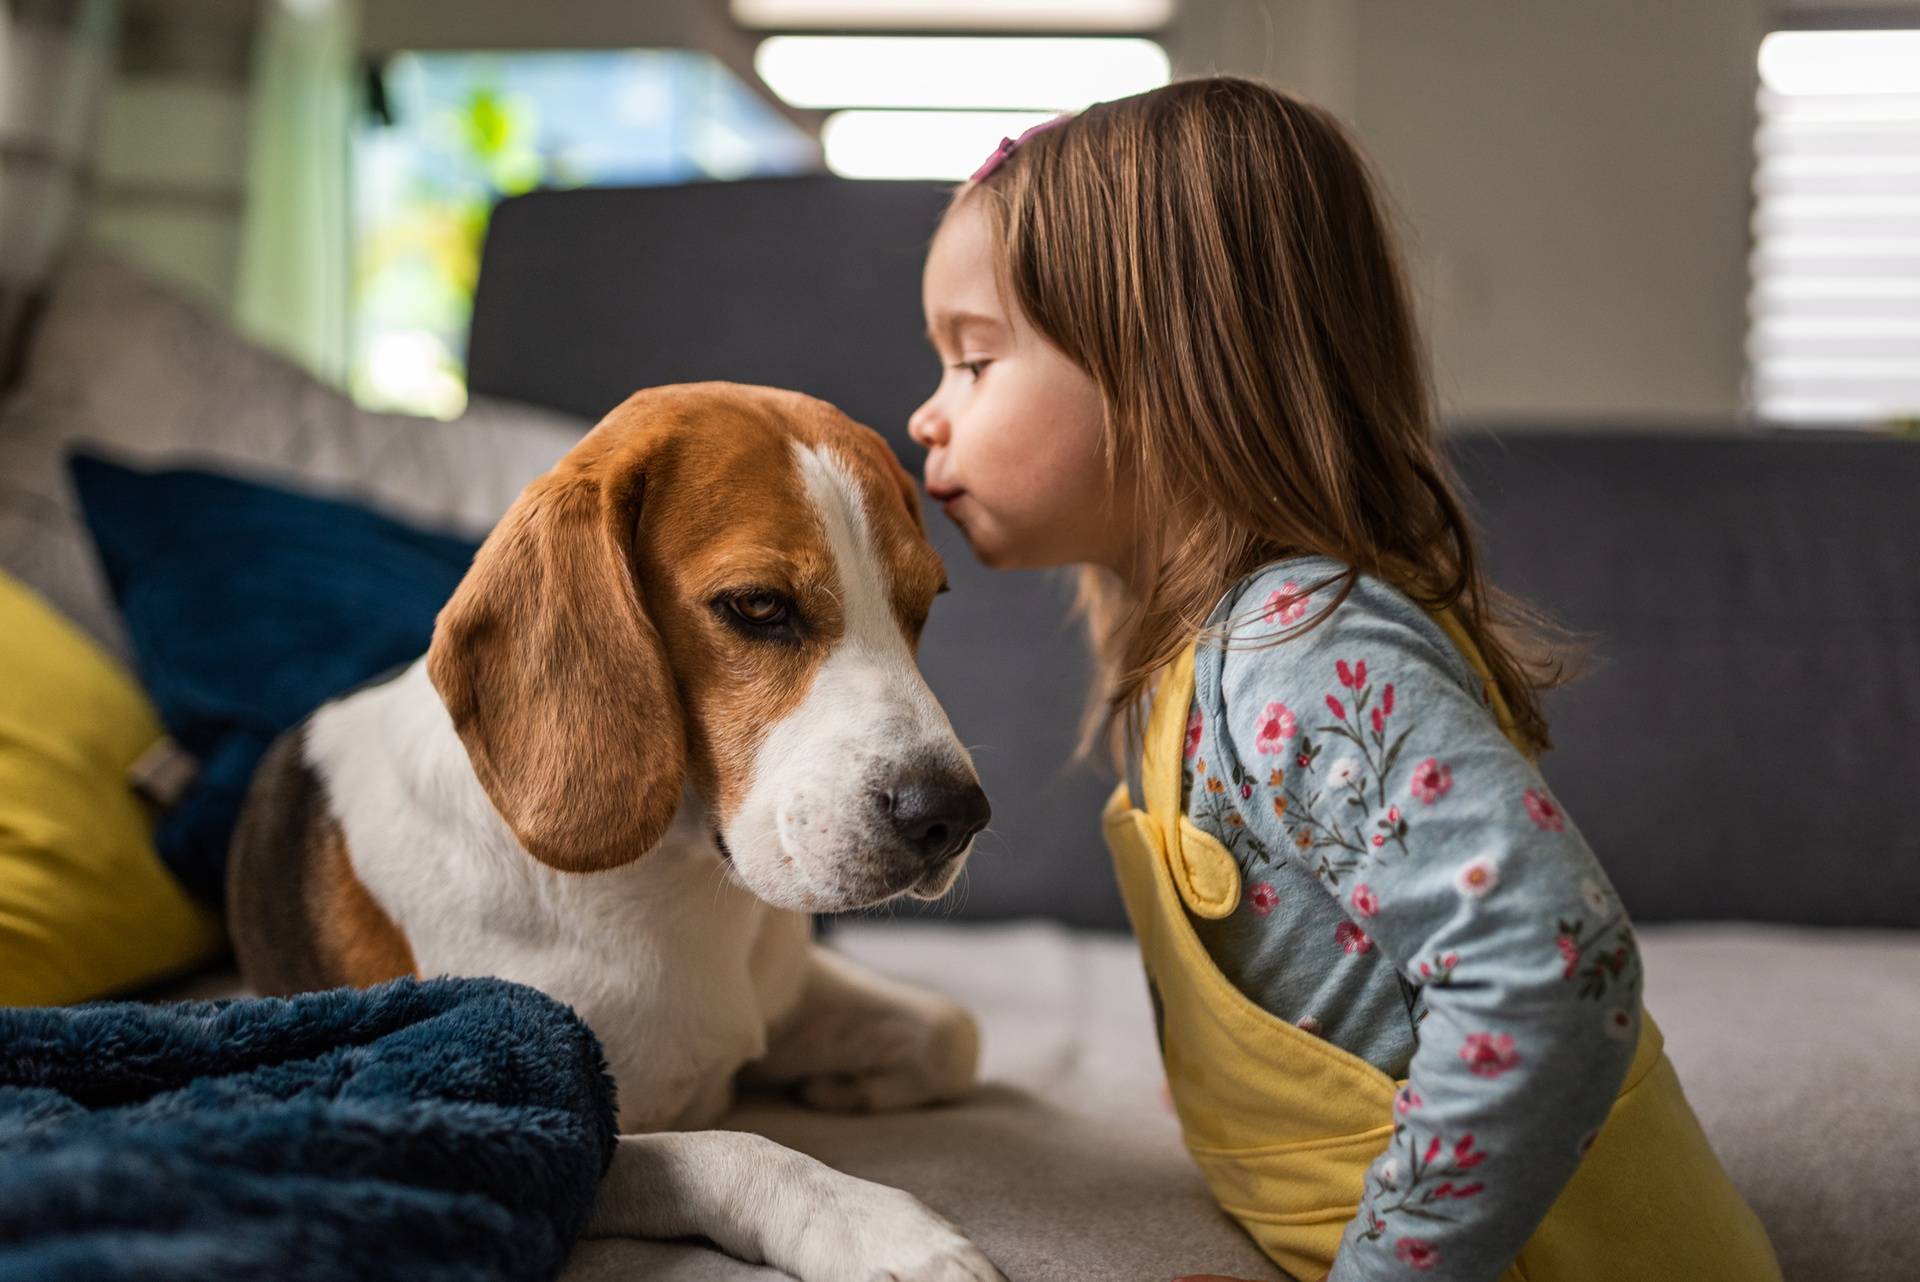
[[452, 1129]]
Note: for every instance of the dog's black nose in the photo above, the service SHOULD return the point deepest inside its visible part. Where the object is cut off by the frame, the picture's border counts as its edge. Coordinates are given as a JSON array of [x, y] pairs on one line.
[[936, 813]]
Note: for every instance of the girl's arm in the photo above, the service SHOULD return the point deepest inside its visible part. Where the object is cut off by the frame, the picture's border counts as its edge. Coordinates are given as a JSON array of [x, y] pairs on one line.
[[1449, 856]]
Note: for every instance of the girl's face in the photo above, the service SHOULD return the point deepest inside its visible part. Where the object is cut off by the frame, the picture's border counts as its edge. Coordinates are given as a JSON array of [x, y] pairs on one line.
[[1013, 432]]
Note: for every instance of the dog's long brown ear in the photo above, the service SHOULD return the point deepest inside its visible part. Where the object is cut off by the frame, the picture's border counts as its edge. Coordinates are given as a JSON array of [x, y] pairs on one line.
[[555, 676]]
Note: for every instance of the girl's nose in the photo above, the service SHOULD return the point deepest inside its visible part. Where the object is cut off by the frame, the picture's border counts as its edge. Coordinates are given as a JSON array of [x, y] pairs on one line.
[[928, 426]]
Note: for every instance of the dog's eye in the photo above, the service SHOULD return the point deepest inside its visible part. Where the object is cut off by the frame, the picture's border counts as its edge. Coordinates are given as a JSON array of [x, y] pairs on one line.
[[761, 609]]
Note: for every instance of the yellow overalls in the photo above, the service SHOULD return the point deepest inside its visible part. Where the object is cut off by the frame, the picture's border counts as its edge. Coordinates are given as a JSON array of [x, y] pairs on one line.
[[1284, 1124]]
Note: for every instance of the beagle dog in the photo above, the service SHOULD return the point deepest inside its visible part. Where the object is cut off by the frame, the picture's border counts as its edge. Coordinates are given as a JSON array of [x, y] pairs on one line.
[[672, 709]]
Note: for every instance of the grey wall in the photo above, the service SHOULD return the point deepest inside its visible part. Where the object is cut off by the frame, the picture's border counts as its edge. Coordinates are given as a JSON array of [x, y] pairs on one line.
[[1574, 179]]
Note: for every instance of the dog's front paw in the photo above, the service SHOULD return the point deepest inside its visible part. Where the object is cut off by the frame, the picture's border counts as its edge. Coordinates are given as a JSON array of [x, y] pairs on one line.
[[864, 1232], [899, 1059]]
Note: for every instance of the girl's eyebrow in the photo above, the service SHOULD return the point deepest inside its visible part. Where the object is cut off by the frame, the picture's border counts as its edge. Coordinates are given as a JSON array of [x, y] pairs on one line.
[[949, 324]]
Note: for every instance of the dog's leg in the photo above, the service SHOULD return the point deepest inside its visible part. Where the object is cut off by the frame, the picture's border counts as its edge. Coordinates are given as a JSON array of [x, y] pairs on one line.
[[860, 1041], [765, 1203]]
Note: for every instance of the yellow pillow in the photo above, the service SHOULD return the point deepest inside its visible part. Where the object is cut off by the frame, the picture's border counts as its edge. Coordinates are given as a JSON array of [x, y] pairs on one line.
[[86, 907]]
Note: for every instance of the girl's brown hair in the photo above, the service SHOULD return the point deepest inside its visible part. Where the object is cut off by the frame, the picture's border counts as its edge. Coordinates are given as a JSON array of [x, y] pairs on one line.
[[1214, 255]]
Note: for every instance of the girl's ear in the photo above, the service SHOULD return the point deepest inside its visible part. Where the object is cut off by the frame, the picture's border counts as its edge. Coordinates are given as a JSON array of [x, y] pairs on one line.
[[555, 676]]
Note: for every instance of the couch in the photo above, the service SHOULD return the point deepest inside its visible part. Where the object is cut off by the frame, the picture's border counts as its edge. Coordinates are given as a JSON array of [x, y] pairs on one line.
[[1741, 757]]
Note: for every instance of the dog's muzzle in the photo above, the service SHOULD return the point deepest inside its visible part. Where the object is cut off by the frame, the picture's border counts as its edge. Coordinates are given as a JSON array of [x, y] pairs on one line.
[[934, 812]]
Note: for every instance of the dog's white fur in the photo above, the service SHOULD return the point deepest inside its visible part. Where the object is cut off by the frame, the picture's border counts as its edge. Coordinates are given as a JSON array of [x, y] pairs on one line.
[[802, 815], [689, 967]]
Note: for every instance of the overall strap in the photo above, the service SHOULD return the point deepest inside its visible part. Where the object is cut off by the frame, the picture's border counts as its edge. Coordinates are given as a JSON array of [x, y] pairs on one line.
[[1205, 873]]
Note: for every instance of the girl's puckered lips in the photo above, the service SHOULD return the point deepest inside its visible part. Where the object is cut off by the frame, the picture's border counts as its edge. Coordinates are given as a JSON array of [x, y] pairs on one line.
[[948, 497]]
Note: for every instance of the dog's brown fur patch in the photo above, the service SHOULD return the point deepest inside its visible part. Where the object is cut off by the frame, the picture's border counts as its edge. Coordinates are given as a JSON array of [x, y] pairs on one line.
[[582, 659], [356, 937]]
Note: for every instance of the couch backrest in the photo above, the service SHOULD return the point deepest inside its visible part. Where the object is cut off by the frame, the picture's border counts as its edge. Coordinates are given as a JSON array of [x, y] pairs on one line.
[[1749, 744], [1747, 749]]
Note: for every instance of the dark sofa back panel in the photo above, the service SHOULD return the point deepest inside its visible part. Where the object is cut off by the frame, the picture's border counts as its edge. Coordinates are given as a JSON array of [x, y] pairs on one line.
[[809, 283], [1746, 749], [1748, 744]]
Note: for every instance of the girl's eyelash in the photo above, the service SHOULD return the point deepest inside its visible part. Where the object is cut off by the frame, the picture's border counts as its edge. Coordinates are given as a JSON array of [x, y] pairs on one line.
[[972, 367]]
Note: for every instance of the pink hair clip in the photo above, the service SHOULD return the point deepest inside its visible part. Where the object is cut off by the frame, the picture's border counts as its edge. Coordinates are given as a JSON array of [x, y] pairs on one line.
[[1010, 145]]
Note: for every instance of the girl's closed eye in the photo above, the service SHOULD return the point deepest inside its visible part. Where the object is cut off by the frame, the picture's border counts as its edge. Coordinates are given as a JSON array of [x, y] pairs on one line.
[[973, 368]]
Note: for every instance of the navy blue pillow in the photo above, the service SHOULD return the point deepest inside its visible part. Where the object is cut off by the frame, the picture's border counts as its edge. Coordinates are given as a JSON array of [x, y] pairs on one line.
[[249, 606]]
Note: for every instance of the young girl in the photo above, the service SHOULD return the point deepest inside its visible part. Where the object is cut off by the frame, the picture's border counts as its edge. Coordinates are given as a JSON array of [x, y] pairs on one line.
[[1399, 1002]]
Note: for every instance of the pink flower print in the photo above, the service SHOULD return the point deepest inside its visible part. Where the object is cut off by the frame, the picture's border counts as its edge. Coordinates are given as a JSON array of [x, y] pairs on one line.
[[1406, 1101], [1441, 969], [1287, 606], [1337, 708], [1570, 953], [1193, 733], [1619, 1024], [1275, 727], [1379, 720], [1364, 901], [1386, 699], [1352, 678], [1379, 839], [1416, 1254], [1262, 898], [1468, 1190], [1246, 790], [1487, 1055], [1351, 938], [1308, 1024], [1393, 814], [1545, 815], [1476, 877], [1464, 1158], [1433, 1150], [1431, 780]]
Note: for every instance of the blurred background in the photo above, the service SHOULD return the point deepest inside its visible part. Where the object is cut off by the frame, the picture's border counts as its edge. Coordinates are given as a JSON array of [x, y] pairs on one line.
[[297, 295], [1630, 212]]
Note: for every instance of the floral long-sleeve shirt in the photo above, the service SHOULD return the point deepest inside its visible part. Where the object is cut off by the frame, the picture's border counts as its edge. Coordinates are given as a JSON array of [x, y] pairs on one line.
[[1411, 892]]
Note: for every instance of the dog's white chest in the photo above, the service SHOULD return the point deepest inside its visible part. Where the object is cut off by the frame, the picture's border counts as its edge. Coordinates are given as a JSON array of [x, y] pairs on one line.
[[678, 969]]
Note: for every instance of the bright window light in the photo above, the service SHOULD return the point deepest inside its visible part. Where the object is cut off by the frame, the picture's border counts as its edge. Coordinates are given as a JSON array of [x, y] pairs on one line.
[[981, 73], [1834, 303], [955, 15], [1841, 62], [946, 145]]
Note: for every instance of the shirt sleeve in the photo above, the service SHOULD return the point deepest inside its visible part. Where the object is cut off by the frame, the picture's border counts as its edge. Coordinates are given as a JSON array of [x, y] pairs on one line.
[[1448, 854]]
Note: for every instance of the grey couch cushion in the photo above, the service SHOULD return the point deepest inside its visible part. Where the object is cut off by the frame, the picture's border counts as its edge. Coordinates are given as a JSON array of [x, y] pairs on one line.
[[1068, 1164], [121, 360], [1799, 1049]]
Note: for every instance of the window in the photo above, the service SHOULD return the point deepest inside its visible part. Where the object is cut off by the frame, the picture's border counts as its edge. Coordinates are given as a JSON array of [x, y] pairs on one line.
[[463, 130], [1834, 313]]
